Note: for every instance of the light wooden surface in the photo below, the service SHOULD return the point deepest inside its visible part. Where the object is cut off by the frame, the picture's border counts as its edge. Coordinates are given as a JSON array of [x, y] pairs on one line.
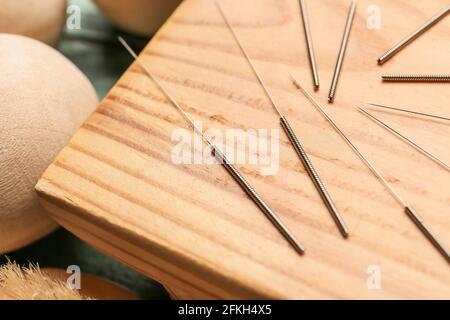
[[192, 228]]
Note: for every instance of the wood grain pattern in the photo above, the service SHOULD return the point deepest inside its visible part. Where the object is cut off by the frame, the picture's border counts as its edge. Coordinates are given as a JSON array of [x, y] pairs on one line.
[[191, 226]]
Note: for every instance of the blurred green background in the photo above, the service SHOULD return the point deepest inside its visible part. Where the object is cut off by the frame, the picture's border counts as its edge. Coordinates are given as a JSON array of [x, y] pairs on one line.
[[95, 50]]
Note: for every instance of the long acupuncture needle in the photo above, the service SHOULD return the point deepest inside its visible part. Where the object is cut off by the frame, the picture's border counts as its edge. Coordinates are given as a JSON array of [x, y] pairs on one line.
[[309, 43], [406, 139], [235, 174], [410, 38], [340, 59], [293, 139], [409, 210], [410, 111]]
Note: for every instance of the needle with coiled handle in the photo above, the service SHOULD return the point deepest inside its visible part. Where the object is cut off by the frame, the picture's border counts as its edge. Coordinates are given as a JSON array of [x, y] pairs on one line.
[[270, 214], [411, 213], [293, 139]]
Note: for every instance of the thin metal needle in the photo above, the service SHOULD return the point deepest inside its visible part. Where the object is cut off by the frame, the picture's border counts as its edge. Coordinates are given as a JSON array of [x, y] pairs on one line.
[[270, 214], [410, 111], [294, 140], [342, 50], [412, 214], [406, 139], [309, 43], [406, 41], [244, 52], [343, 136]]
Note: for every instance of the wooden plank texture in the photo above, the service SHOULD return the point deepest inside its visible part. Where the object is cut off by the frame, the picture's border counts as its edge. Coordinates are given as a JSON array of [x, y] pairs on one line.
[[191, 226]]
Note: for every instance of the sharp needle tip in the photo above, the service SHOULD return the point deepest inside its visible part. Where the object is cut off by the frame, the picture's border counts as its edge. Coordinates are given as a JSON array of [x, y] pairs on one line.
[[294, 80], [299, 86]]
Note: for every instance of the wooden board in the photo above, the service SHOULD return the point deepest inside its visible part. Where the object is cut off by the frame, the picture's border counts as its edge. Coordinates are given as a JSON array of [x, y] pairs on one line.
[[191, 226]]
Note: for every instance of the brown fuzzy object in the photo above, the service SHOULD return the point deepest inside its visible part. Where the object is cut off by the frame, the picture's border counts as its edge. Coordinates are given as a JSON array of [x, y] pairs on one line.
[[21, 283]]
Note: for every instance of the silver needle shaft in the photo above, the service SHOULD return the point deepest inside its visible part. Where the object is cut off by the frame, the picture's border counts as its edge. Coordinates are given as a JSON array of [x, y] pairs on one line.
[[412, 214], [410, 38], [309, 43], [342, 50], [410, 111], [235, 174], [352, 146], [293, 139], [244, 52], [406, 139]]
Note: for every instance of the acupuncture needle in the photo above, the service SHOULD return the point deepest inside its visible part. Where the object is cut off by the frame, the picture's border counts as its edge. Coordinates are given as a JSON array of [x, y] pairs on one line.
[[410, 38], [342, 50], [235, 174], [309, 43], [293, 139], [410, 111], [408, 209], [406, 139]]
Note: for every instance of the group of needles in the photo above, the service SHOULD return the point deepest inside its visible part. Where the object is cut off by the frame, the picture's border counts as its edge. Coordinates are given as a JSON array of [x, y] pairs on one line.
[[295, 141]]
